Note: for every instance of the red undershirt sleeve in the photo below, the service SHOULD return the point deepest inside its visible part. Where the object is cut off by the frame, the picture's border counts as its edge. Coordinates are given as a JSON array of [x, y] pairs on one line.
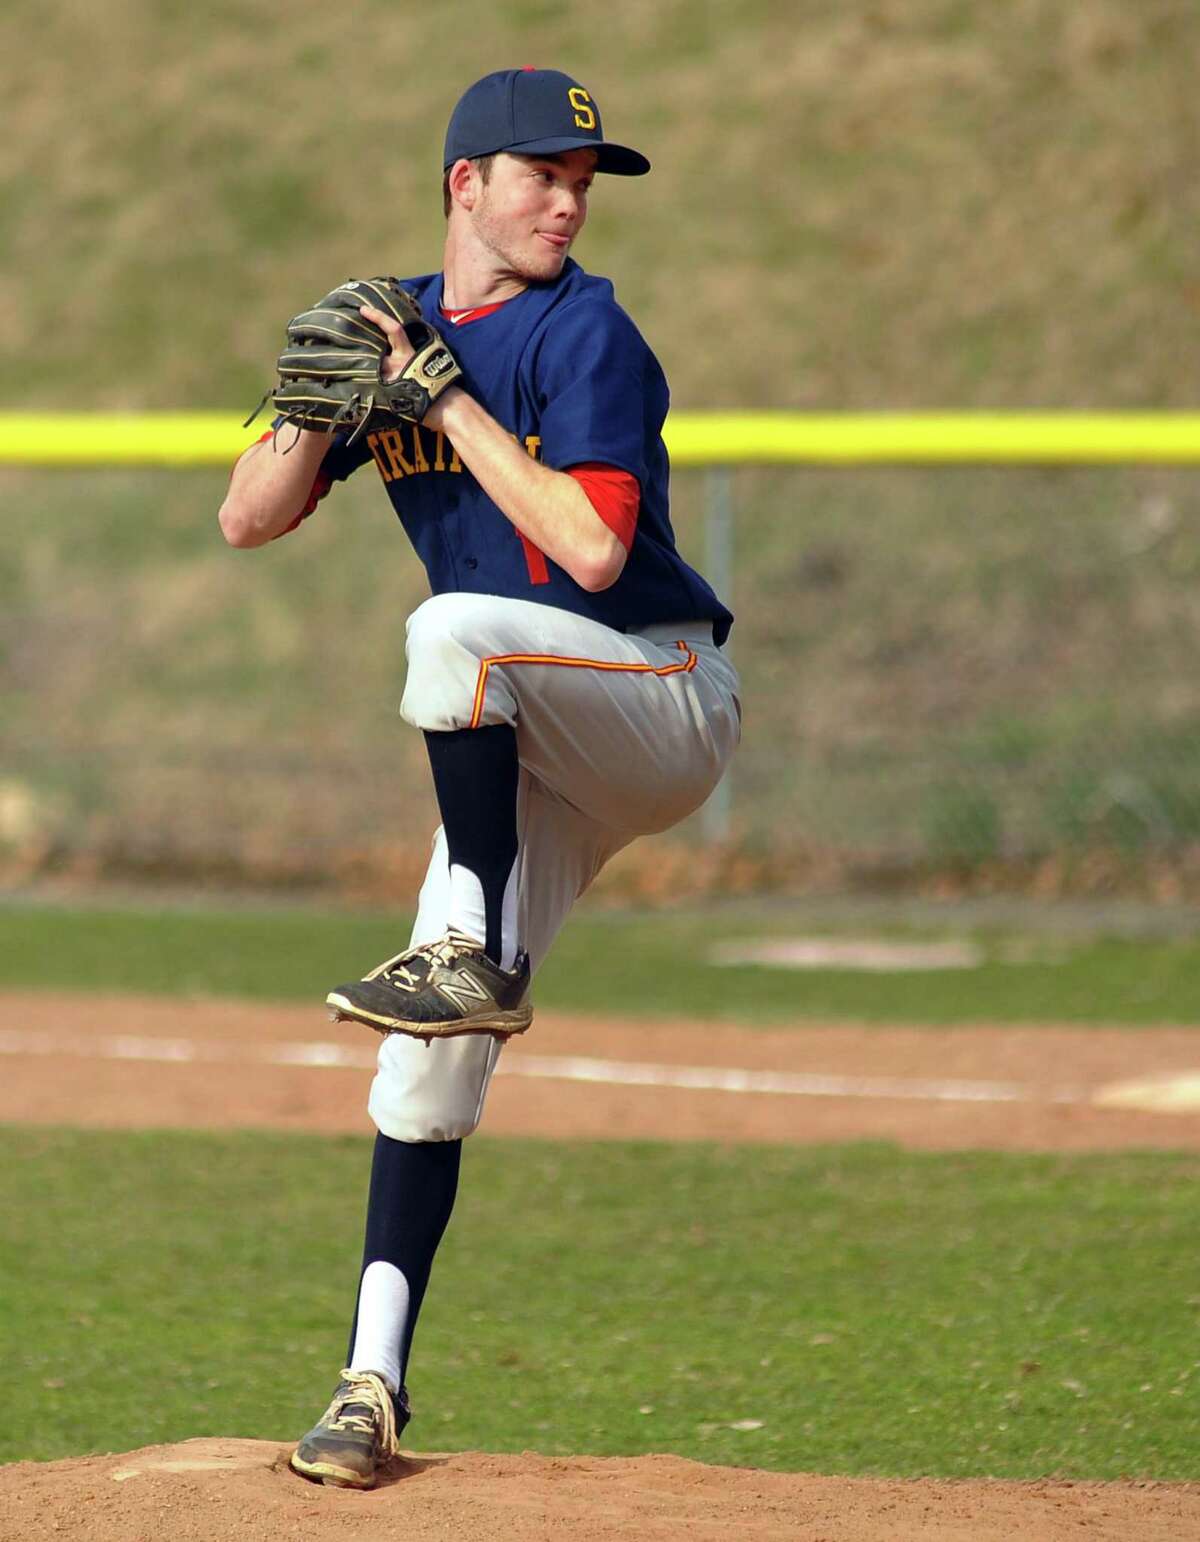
[[615, 495]]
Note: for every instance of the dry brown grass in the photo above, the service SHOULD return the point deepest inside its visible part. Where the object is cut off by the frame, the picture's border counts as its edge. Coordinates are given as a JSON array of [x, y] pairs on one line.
[[937, 202]]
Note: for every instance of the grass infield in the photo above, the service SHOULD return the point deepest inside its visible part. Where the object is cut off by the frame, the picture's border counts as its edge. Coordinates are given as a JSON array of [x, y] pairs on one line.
[[615, 963], [853, 1310]]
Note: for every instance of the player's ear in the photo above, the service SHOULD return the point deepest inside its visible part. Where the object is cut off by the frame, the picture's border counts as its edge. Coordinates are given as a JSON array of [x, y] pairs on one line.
[[464, 182]]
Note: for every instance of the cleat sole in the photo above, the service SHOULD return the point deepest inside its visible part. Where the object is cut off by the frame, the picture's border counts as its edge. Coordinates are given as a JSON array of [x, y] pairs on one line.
[[330, 1474], [500, 1024]]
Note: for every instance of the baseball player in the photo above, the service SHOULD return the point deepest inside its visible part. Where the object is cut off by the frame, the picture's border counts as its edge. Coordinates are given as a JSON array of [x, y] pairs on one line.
[[567, 672]]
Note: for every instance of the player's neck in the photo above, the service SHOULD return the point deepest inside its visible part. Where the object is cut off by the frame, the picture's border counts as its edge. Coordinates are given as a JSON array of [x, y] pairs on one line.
[[472, 277]]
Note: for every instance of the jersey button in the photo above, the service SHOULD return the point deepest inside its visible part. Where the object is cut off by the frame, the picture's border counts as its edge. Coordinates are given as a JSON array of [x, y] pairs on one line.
[[471, 562]]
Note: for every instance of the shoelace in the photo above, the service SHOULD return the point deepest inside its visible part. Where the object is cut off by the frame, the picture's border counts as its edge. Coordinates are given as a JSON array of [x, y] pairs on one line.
[[445, 951], [366, 1391]]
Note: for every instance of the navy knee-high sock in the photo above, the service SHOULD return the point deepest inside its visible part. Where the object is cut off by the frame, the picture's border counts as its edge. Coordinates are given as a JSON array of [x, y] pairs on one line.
[[475, 775], [412, 1194]]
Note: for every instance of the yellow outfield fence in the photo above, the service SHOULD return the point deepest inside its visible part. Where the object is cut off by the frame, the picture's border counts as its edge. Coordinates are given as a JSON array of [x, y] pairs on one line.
[[693, 438]]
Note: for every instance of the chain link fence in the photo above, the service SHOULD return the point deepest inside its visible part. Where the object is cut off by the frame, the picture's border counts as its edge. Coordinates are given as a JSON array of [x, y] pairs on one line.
[[953, 670]]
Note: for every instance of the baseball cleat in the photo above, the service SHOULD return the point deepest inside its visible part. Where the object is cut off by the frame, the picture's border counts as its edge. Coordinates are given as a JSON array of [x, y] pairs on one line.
[[437, 991], [356, 1435]]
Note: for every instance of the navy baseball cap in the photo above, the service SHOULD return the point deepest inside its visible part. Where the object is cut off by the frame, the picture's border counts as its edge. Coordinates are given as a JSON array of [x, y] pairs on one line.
[[533, 112]]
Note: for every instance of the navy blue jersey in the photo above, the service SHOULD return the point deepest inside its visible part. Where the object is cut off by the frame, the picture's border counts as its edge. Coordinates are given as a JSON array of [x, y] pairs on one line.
[[566, 372]]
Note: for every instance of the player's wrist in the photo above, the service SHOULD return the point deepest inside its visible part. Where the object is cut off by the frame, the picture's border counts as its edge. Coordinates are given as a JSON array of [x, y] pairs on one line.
[[299, 443], [448, 410]]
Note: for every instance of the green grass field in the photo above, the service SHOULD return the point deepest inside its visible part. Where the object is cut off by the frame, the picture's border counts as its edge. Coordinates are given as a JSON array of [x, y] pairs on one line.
[[851, 1309], [613, 962], [870, 1312]]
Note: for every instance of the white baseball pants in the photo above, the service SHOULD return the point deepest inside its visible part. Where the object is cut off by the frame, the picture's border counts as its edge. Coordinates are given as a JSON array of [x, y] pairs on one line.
[[619, 735]]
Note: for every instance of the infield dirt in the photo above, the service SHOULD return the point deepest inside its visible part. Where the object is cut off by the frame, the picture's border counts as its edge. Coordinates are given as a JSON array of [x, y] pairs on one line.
[[62, 1083]]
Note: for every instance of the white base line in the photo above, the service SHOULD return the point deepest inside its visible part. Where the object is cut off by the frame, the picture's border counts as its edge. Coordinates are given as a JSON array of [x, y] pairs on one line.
[[319, 1054]]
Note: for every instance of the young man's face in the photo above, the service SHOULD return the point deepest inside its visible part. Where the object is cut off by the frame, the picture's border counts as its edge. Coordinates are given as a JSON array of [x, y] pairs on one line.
[[531, 209]]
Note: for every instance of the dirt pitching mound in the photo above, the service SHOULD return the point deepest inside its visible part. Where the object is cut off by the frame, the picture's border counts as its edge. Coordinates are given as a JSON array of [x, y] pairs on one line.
[[208, 1489]]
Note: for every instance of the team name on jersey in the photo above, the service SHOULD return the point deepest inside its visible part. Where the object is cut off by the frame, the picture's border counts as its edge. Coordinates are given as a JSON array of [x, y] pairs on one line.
[[411, 450]]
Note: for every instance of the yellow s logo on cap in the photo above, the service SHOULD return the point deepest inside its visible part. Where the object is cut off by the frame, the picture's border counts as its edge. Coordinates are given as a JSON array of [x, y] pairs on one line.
[[585, 115]]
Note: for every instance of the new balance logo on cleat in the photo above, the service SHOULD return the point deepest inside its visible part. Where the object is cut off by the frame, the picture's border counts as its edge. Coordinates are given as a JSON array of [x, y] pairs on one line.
[[437, 991], [462, 990]]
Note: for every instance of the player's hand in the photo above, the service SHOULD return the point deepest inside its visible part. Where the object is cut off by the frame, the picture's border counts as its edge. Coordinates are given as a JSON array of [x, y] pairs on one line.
[[418, 369], [401, 349]]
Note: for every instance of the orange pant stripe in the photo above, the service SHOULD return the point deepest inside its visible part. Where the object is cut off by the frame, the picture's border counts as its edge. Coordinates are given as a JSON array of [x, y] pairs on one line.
[[684, 666]]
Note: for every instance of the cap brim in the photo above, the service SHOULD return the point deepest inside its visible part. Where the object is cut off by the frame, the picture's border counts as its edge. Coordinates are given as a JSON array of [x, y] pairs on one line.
[[617, 160]]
